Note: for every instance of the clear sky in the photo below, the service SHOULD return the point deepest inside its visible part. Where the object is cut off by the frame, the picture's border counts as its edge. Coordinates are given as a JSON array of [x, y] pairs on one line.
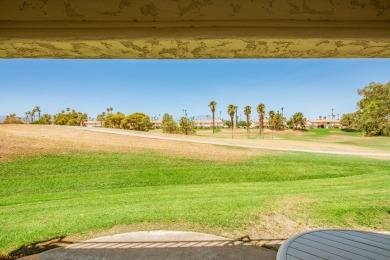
[[312, 86]]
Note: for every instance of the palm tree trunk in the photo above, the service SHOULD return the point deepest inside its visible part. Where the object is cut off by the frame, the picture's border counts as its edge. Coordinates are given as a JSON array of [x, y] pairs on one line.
[[247, 125], [213, 124], [232, 120], [260, 126]]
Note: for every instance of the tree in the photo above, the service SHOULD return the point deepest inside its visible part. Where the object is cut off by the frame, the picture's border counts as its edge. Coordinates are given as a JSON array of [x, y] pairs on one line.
[[236, 113], [374, 110], [350, 121], [187, 127], [169, 125], [276, 121], [271, 115], [212, 106], [228, 123], [114, 120], [12, 119], [71, 118], [44, 120], [241, 124], [261, 110], [33, 115], [28, 114], [82, 118], [247, 112], [109, 110], [297, 120], [137, 121], [290, 123], [101, 118], [38, 109], [231, 111]]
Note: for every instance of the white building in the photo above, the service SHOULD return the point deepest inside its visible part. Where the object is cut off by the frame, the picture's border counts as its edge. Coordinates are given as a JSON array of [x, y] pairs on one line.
[[94, 123], [323, 123], [208, 123]]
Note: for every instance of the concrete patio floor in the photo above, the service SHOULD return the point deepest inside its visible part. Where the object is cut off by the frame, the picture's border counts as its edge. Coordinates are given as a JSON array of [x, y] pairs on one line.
[[158, 245]]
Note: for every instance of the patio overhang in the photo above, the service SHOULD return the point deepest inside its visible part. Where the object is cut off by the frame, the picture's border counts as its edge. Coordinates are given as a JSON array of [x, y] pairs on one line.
[[192, 29]]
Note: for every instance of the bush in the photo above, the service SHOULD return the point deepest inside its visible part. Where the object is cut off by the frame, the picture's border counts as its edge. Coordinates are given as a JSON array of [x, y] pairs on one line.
[[12, 119]]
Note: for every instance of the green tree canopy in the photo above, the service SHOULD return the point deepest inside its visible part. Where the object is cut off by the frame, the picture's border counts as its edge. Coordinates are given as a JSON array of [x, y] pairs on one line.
[[43, 120], [349, 121], [373, 115], [242, 124], [187, 126], [297, 121], [169, 125], [114, 120], [137, 121], [276, 121], [71, 118]]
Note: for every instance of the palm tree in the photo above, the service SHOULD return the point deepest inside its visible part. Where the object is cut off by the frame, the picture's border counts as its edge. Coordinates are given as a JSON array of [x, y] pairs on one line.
[[231, 111], [28, 113], [33, 115], [38, 109], [82, 118], [282, 111], [67, 109], [235, 111], [271, 119], [62, 111], [111, 110], [247, 112], [261, 110], [212, 105]]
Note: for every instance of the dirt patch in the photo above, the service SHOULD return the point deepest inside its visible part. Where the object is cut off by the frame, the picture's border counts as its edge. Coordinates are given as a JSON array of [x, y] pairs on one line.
[[32, 140], [277, 224]]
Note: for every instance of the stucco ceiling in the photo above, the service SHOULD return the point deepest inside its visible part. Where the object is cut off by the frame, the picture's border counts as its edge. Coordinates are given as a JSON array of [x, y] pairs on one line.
[[194, 28]]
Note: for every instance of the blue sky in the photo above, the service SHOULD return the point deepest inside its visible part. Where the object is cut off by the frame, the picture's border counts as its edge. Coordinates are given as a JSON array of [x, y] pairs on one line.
[[312, 86]]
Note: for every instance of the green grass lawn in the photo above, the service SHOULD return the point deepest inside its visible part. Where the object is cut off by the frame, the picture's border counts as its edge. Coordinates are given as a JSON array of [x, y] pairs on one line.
[[323, 135], [56, 195]]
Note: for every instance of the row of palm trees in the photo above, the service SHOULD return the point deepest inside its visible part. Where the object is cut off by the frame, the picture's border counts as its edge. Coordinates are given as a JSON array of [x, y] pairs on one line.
[[31, 114], [233, 112]]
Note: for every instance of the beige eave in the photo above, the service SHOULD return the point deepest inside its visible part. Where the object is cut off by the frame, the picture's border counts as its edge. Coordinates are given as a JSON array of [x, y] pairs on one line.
[[194, 29]]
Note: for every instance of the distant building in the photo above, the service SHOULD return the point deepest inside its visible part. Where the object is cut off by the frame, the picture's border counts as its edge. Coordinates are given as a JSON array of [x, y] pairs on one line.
[[207, 123], [323, 123], [156, 123], [256, 123], [94, 123]]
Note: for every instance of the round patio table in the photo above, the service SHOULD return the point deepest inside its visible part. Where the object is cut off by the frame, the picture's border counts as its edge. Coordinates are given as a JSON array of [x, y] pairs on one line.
[[336, 244]]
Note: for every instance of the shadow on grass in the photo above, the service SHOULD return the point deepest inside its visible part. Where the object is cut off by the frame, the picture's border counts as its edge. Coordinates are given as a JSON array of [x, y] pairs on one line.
[[349, 130], [37, 247]]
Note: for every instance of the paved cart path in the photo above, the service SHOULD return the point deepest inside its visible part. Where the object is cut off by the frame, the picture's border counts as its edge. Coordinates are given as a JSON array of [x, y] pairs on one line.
[[178, 139]]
